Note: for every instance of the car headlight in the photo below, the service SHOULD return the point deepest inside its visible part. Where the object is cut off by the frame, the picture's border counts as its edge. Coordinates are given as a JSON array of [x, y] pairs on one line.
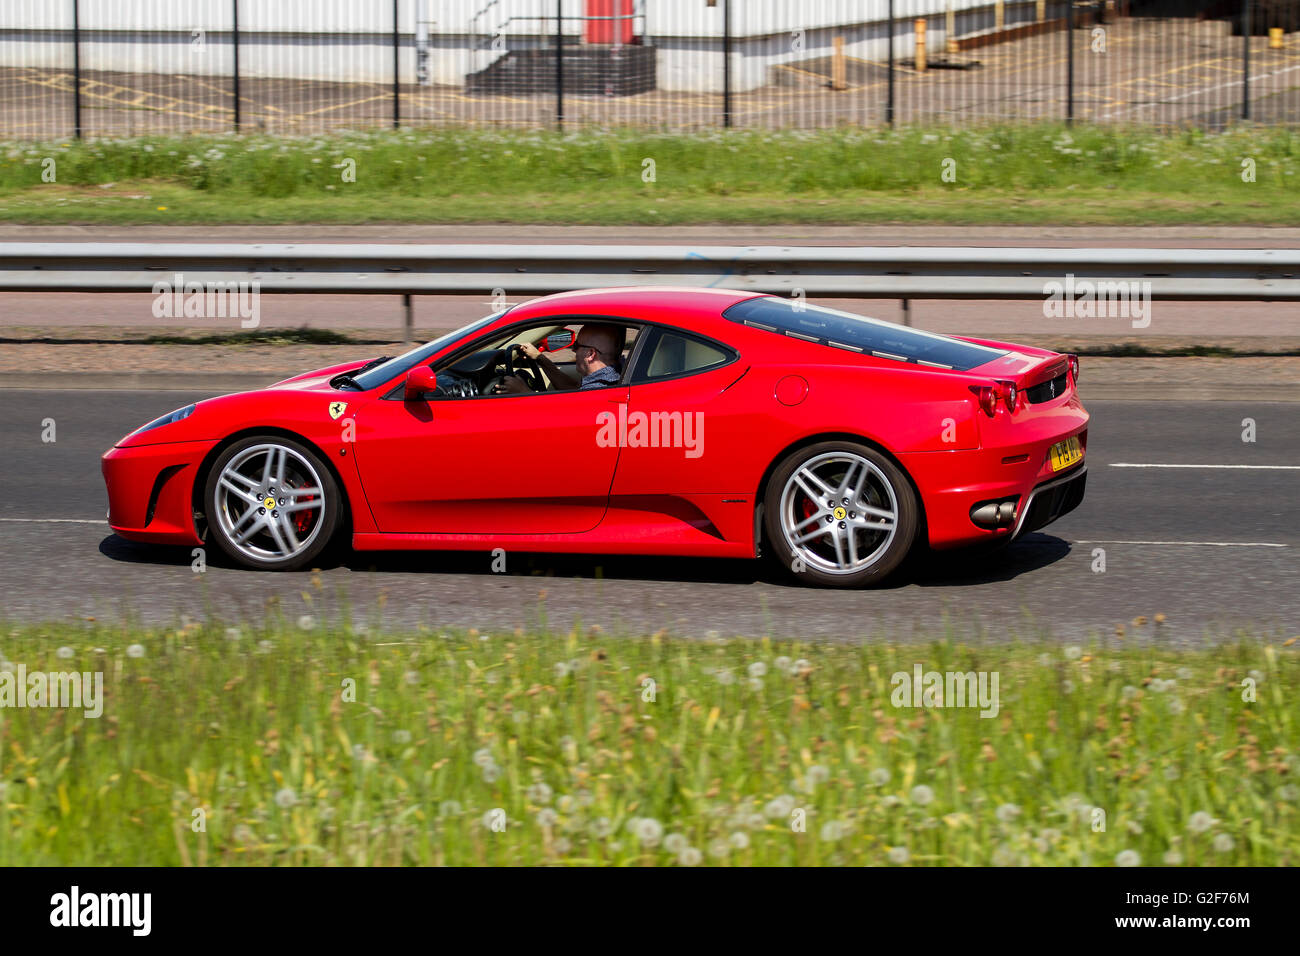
[[169, 418]]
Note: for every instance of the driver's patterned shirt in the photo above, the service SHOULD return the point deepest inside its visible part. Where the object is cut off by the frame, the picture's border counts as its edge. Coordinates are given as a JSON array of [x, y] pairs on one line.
[[600, 378]]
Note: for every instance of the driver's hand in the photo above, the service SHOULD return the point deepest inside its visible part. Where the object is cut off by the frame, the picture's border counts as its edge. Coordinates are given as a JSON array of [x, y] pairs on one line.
[[530, 351], [512, 384]]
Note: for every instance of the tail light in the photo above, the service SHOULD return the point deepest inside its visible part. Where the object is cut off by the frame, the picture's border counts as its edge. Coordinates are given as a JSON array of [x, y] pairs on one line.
[[1008, 395], [1074, 368], [990, 395]]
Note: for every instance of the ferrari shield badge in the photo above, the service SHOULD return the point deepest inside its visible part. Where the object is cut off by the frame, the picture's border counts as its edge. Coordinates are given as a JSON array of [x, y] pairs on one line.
[[337, 409]]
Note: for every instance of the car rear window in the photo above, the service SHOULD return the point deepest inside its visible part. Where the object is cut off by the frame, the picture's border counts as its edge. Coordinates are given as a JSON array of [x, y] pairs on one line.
[[857, 333]]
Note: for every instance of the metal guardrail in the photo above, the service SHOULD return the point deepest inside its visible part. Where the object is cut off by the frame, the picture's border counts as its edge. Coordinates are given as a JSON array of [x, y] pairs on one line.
[[828, 272]]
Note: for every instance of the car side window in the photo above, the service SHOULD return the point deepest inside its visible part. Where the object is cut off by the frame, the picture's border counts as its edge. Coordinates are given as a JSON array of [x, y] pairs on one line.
[[672, 354]]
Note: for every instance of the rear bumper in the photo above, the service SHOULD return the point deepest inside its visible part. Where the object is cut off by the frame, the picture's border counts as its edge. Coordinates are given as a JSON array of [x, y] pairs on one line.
[[150, 491], [1051, 500], [953, 484]]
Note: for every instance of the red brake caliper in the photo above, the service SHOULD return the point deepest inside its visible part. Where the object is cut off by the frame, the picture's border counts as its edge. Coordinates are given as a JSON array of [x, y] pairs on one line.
[[301, 519]]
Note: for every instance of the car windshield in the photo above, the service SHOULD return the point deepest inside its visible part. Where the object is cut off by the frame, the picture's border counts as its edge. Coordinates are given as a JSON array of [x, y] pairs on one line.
[[380, 374], [857, 333]]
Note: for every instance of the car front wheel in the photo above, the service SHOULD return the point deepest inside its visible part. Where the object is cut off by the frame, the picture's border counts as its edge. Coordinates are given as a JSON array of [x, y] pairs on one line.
[[840, 514], [271, 503]]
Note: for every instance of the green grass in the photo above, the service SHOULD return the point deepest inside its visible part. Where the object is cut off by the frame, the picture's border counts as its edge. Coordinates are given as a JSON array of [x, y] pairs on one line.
[[1034, 173], [558, 731]]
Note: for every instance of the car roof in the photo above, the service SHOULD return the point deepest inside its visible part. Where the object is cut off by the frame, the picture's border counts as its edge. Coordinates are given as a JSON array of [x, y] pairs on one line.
[[699, 308]]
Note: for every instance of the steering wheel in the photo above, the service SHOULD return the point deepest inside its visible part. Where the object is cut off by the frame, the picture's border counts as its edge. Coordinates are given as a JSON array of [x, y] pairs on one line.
[[532, 373]]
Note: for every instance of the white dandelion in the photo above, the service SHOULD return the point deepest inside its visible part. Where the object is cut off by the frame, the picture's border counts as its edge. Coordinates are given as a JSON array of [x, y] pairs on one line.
[[922, 795], [1200, 821], [1127, 858], [539, 793], [833, 830], [64, 652], [779, 807], [648, 831], [286, 798], [899, 855], [135, 650], [1007, 812], [1223, 843]]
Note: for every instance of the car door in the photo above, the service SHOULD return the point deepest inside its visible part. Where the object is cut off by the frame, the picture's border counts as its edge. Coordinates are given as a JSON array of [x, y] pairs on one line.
[[682, 424], [507, 464]]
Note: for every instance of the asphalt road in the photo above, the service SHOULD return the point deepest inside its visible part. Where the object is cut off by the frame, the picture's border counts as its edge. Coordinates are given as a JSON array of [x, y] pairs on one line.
[[1212, 548]]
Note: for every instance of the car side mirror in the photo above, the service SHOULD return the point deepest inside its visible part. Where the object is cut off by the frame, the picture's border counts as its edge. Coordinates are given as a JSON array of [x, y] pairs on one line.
[[558, 341], [419, 380]]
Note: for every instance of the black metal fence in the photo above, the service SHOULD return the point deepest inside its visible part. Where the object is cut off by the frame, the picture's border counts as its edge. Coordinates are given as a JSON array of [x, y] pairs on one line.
[[133, 67]]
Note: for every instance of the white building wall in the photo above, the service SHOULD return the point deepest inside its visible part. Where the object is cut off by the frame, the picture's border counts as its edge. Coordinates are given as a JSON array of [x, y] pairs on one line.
[[350, 40]]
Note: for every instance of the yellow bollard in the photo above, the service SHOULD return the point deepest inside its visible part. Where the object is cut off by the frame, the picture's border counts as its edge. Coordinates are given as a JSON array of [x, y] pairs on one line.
[[1040, 10], [999, 14], [950, 30], [839, 76], [920, 44], [1275, 38]]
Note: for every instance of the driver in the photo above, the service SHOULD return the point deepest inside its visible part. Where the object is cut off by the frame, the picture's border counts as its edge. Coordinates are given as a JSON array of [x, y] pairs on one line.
[[597, 353]]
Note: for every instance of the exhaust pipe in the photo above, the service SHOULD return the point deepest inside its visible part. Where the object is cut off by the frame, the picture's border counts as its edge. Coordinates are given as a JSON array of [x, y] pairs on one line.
[[995, 514]]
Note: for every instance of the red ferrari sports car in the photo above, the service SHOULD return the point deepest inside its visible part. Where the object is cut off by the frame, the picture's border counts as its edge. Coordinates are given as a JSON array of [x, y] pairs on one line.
[[635, 421]]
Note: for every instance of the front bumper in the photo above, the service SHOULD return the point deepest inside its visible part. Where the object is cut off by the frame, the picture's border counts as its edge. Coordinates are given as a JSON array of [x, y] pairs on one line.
[[151, 489]]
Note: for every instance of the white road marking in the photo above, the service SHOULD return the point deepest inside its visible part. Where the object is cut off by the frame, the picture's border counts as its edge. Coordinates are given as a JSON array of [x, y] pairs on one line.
[[1208, 544], [58, 520], [1130, 464]]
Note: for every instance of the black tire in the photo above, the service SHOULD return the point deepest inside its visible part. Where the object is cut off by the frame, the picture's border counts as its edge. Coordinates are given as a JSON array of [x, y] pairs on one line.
[[313, 527], [820, 561]]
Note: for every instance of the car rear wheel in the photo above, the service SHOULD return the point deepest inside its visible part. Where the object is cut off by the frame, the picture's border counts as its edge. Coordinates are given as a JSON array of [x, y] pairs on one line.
[[840, 514], [271, 503]]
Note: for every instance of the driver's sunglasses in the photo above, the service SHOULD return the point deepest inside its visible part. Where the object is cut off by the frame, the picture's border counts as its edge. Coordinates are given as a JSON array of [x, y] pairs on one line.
[[592, 347]]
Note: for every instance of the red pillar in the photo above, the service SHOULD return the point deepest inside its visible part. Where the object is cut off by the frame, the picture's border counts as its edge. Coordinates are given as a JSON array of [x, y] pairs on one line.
[[608, 31]]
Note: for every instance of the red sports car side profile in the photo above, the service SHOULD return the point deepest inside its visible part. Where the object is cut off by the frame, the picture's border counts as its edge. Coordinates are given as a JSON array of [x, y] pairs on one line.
[[654, 421]]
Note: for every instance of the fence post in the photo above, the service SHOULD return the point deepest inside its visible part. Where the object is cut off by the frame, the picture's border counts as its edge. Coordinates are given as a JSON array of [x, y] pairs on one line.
[[559, 63], [1069, 62], [397, 93], [726, 63], [889, 101], [234, 18], [76, 67], [1245, 59]]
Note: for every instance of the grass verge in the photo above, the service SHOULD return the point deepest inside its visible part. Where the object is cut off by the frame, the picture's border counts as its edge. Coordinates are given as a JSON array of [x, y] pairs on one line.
[[329, 744], [1018, 174]]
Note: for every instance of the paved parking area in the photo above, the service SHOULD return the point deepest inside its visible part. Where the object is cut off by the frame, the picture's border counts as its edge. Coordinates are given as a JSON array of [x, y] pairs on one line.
[[1167, 72]]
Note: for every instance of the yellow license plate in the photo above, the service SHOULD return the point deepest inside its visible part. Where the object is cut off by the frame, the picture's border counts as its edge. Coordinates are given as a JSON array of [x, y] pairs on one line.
[[1066, 453]]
